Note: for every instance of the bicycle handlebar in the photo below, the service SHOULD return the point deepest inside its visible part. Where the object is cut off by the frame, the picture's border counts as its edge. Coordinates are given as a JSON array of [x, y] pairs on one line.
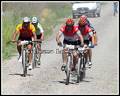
[[25, 41]]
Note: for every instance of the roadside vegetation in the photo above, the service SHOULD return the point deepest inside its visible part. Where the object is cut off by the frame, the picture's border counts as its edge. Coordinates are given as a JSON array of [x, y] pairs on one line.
[[49, 15]]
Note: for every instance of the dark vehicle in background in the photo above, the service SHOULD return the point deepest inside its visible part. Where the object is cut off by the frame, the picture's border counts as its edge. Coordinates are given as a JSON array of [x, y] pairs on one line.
[[86, 8]]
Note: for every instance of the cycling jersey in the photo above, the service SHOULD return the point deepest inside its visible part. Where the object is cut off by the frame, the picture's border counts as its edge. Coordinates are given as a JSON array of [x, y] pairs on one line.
[[38, 28], [70, 35], [86, 31], [90, 25], [25, 34]]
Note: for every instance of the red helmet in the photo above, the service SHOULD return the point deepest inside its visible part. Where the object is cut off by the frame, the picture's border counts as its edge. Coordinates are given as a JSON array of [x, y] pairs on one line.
[[83, 20], [69, 22]]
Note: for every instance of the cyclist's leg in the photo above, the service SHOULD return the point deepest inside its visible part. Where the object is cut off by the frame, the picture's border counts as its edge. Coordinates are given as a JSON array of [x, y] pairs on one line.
[[38, 38], [75, 55], [95, 38], [19, 46], [90, 54], [30, 53], [39, 48], [19, 49], [75, 59], [87, 54], [64, 56]]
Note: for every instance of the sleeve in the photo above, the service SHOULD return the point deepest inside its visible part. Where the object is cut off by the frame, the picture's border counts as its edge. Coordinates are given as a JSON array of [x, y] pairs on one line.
[[76, 28], [18, 27], [90, 25], [62, 29], [32, 28], [40, 27], [89, 31]]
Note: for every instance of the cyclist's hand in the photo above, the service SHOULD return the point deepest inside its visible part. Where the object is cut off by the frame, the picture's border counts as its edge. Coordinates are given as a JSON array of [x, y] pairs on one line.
[[82, 44], [91, 46], [13, 41], [85, 46], [59, 44], [19, 42]]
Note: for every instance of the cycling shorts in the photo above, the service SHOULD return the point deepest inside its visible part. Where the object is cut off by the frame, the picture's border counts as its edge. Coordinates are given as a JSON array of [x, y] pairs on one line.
[[71, 42], [39, 36]]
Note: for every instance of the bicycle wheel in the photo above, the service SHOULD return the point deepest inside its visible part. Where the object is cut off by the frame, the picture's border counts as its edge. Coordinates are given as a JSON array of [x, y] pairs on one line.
[[33, 58], [81, 69], [24, 62], [38, 54], [39, 58], [68, 70], [78, 70]]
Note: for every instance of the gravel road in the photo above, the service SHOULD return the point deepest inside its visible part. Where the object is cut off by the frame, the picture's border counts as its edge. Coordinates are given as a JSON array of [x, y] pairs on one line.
[[102, 78]]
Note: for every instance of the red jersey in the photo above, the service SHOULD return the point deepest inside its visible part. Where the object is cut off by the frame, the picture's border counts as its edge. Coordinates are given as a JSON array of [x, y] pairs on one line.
[[85, 30], [68, 32]]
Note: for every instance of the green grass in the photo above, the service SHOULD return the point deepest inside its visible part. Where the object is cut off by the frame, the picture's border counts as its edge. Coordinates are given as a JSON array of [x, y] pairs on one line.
[[13, 13]]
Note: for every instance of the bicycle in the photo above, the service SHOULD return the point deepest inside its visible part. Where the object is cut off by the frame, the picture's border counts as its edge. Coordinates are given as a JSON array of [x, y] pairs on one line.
[[115, 10], [25, 52], [69, 52], [36, 53], [81, 69]]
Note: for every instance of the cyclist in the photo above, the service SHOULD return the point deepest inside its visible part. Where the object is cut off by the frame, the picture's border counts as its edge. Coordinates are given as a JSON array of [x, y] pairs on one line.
[[91, 26], [26, 31], [39, 32], [72, 36], [115, 6], [88, 36]]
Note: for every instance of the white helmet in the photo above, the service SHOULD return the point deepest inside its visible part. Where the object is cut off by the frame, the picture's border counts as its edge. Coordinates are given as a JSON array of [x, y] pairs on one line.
[[34, 20], [26, 19]]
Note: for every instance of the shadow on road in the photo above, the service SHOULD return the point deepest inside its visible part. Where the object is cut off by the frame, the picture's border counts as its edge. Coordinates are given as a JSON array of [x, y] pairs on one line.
[[21, 74]]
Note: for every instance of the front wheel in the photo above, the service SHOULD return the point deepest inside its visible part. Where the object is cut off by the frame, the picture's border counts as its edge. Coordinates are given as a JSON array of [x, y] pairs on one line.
[[82, 73], [24, 62], [78, 71], [67, 71]]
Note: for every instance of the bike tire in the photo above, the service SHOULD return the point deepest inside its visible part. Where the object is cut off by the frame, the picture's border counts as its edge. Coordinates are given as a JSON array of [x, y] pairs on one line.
[[24, 62], [81, 72], [33, 58], [68, 71], [78, 71]]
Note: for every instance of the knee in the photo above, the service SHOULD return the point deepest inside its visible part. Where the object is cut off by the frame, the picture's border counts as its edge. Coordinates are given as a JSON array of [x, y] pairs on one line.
[[29, 47]]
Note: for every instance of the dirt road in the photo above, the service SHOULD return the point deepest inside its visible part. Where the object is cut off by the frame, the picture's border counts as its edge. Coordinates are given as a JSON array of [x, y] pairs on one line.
[[102, 78]]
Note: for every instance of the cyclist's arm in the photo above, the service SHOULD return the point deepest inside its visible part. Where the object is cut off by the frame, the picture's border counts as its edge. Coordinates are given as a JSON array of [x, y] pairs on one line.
[[81, 37], [33, 31], [59, 34], [41, 31], [16, 33], [42, 36], [91, 26], [91, 35], [40, 27]]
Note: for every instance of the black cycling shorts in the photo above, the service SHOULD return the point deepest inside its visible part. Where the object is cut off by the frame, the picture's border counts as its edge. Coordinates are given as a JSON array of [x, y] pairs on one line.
[[27, 39], [39, 36], [71, 42]]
